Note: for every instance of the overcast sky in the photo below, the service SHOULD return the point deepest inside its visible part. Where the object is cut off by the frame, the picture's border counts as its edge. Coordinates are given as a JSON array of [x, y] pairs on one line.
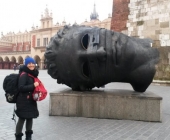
[[20, 15]]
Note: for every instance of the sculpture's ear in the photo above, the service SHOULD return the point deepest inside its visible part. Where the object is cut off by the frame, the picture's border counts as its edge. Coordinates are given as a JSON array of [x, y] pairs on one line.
[[63, 31], [60, 33]]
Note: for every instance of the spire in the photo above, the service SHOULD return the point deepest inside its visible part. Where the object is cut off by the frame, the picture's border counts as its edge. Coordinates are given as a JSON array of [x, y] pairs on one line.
[[94, 10], [57, 24], [51, 14], [94, 15], [64, 22], [41, 15], [109, 15], [46, 12], [33, 27], [75, 23]]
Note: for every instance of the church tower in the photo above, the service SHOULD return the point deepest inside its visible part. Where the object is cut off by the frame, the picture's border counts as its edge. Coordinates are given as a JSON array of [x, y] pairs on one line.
[[46, 19], [94, 15], [120, 15]]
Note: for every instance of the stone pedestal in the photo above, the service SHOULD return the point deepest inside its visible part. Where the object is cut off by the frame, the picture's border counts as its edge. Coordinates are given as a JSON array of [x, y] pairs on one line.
[[107, 104]]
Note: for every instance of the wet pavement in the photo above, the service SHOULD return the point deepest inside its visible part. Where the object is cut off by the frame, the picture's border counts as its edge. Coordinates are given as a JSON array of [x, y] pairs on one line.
[[47, 127]]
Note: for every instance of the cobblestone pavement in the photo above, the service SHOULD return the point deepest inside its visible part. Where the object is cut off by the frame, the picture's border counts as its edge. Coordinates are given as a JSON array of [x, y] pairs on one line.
[[78, 128]]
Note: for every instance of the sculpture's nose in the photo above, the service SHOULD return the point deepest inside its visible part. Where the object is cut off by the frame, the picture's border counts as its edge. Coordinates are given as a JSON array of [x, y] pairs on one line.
[[101, 54], [97, 53]]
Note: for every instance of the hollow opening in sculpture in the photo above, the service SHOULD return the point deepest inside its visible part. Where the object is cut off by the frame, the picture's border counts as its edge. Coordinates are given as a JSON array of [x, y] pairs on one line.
[[85, 41]]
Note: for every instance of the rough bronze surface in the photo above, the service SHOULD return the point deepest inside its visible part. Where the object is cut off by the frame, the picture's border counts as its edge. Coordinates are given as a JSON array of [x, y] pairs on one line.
[[84, 57]]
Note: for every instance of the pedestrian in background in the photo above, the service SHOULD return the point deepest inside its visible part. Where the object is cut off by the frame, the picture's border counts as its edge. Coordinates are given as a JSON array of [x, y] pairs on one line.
[[26, 107], [14, 67]]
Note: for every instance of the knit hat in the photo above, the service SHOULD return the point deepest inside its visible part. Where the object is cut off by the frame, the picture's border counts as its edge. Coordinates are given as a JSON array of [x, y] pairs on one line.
[[29, 60]]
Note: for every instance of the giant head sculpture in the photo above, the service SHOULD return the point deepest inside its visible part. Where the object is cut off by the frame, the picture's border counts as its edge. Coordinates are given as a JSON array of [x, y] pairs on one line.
[[84, 57]]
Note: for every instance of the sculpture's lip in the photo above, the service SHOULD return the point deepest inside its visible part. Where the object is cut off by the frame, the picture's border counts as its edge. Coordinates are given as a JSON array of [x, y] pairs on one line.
[[49, 54]]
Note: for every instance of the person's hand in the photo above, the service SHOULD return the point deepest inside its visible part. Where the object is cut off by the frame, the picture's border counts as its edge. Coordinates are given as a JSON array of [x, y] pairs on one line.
[[36, 84]]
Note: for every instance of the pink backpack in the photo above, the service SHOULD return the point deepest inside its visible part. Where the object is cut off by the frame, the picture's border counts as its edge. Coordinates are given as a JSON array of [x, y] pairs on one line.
[[40, 92]]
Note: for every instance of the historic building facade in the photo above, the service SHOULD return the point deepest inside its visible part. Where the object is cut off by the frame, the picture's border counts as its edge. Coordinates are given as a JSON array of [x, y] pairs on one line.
[[150, 19], [15, 47], [146, 19], [143, 19]]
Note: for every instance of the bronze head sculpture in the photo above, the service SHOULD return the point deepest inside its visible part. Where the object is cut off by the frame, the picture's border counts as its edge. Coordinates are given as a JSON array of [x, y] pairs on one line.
[[84, 57]]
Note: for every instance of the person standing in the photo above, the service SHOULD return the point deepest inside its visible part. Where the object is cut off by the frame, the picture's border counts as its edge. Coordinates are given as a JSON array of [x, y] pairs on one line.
[[26, 107], [14, 67]]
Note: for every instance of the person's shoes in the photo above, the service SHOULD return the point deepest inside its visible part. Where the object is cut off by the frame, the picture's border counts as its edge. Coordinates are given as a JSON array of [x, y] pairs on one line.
[[28, 134], [19, 136]]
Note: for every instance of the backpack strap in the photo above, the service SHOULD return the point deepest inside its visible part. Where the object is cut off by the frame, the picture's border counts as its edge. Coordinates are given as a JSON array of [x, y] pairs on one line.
[[14, 116], [35, 79], [31, 75], [22, 73], [28, 75]]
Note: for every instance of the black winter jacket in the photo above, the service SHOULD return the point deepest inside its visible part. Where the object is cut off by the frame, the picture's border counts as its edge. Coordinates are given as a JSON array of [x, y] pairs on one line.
[[26, 106]]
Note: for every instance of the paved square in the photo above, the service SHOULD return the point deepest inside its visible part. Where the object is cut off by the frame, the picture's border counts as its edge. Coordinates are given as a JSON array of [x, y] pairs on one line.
[[77, 128]]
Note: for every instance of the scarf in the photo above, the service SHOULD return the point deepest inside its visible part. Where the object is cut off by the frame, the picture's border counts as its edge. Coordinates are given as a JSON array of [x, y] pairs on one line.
[[24, 68]]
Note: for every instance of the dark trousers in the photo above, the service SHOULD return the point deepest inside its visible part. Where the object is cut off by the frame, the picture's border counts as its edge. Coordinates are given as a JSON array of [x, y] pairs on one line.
[[20, 124]]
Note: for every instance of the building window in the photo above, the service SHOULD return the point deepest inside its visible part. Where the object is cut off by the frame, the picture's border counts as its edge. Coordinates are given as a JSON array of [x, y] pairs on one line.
[[45, 41], [14, 48], [47, 24], [43, 25], [20, 48], [27, 48], [38, 42]]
